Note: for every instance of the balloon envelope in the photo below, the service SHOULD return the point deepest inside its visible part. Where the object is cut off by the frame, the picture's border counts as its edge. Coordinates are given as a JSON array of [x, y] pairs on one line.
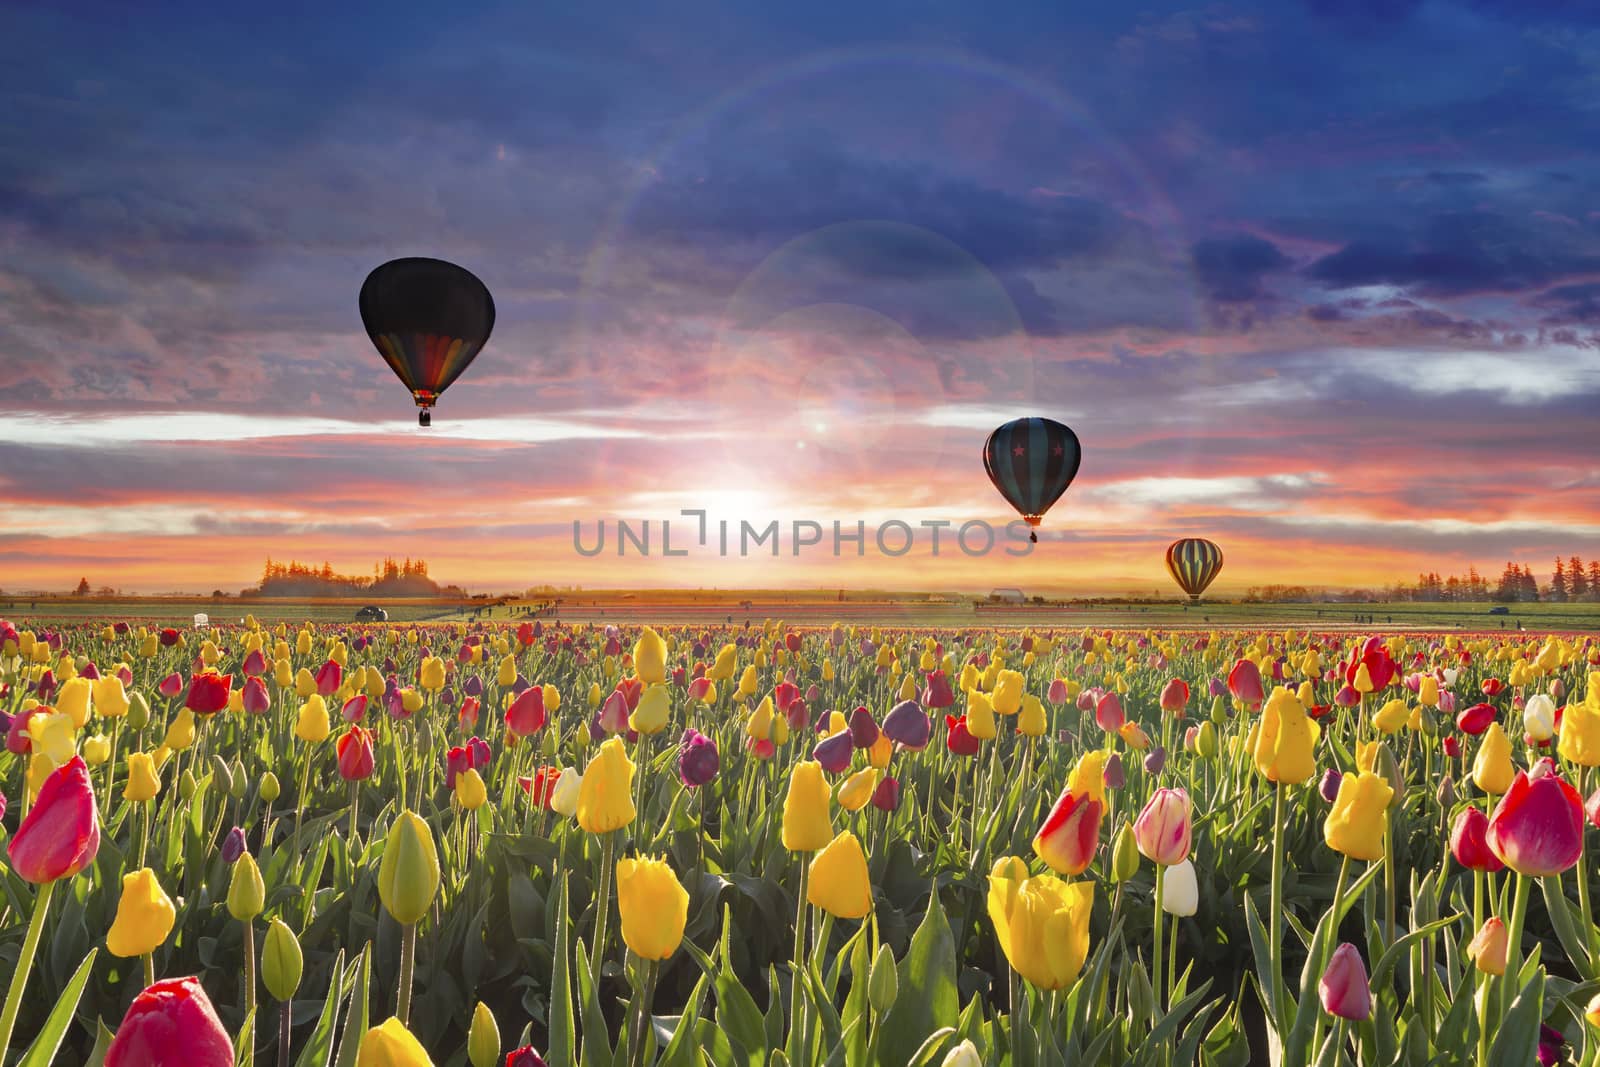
[[1032, 461], [428, 319], [1194, 563]]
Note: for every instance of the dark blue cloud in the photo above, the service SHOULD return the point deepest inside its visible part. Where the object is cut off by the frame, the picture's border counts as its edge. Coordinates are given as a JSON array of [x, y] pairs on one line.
[[1232, 268]]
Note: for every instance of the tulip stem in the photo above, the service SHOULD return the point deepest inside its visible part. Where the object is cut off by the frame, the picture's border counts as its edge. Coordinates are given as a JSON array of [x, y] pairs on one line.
[[19, 977], [1511, 980], [797, 1012], [299, 809], [1275, 931], [249, 966], [1157, 989], [602, 912], [1389, 890], [642, 996], [355, 797], [149, 969], [144, 830], [283, 1034], [111, 762], [1582, 871], [408, 966]]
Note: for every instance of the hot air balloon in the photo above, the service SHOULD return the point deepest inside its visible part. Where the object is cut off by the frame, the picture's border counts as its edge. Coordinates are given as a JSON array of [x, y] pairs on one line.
[[1194, 563], [428, 319], [1032, 461]]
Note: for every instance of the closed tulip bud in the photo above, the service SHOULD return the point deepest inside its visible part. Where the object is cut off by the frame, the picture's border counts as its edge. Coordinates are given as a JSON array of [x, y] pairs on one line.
[[605, 796], [1205, 742], [963, 1055], [188, 786], [470, 791], [483, 1038], [96, 750], [171, 1023], [1328, 787], [408, 876], [1446, 793], [233, 846], [654, 907], [1539, 718], [1124, 854], [145, 915], [1344, 989], [60, 835], [1180, 892], [221, 774], [281, 961], [1115, 776], [270, 787], [1487, 950], [839, 883], [247, 893], [138, 711], [883, 982], [391, 1045], [144, 781]]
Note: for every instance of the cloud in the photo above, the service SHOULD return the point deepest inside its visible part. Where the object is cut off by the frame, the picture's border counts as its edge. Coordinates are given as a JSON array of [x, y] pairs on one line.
[[1232, 268]]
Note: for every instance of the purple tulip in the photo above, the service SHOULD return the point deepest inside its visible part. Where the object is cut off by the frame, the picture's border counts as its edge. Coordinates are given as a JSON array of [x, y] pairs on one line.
[[473, 686], [448, 697], [1155, 759], [1115, 777], [887, 796], [907, 724], [863, 728], [834, 752], [46, 686], [519, 686], [698, 759], [1217, 688], [820, 723], [232, 845], [596, 731], [390, 666]]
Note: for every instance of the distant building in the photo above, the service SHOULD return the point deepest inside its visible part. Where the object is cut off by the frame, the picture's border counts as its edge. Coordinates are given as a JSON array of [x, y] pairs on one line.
[[1008, 596]]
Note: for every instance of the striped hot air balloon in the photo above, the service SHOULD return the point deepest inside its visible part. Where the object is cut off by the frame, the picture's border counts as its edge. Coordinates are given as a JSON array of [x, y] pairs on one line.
[[428, 319], [1032, 461], [1194, 563]]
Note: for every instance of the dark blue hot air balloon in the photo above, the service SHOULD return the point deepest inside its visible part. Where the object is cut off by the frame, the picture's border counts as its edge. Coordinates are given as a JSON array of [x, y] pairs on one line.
[[1032, 461], [428, 319]]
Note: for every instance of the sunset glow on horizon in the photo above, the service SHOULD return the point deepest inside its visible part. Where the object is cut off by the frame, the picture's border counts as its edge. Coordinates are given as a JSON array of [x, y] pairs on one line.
[[797, 271]]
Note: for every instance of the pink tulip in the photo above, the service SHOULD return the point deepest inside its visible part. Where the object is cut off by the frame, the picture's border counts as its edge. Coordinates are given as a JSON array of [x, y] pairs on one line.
[[1162, 829], [1057, 693], [1537, 828], [1469, 842], [1244, 682], [1108, 714], [1344, 989], [1175, 696], [526, 715], [329, 677], [61, 833]]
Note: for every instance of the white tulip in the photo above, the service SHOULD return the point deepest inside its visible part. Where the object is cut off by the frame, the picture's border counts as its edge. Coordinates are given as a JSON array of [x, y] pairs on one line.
[[1180, 892]]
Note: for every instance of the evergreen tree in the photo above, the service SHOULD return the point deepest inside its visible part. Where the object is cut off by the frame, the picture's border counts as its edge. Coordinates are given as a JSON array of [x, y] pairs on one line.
[[1577, 581], [1558, 582]]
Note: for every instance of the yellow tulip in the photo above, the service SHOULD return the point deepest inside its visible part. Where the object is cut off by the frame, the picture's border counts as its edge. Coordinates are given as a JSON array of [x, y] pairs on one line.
[[144, 916], [144, 781], [878, 755], [605, 799], [1007, 696], [1042, 923], [855, 791], [1088, 777], [839, 883], [96, 750], [1580, 732], [1281, 741], [1032, 722], [391, 1045], [1428, 691], [305, 683], [110, 698], [980, 716], [431, 676], [807, 822], [552, 699], [654, 710], [650, 657], [471, 793], [1355, 825], [654, 907], [1391, 716], [313, 725], [54, 736], [1491, 768]]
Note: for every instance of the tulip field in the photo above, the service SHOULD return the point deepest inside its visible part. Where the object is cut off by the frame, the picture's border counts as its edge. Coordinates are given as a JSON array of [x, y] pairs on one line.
[[524, 843]]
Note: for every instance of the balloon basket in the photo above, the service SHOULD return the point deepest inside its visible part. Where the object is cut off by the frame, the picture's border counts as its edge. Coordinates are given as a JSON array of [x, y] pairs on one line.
[[424, 417]]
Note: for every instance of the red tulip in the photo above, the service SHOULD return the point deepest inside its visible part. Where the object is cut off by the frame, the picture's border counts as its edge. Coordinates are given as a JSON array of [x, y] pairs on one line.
[[937, 694], [169, 637], [631, 689], [355, 709], [1492, 687], [541, 786], [255, 664], [1175, 696], [1537, 828], [455, 761], [171, 1024], [1244, 682], [1381, 667], [355, 754], [1469, 844], [960, 740], [1108, 713], [1476, 719], [18, 742], [784, 694], [171, 685], [526, 634], [1452, 747], [208, 693], [887, 796], [468, 715], [255, 697], [61, 833], [614, 713], [526, 714], [699, 686], [329, 677]]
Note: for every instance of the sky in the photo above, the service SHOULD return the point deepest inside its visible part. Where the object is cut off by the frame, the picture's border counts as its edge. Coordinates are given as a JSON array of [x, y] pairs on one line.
[[1317, 279]]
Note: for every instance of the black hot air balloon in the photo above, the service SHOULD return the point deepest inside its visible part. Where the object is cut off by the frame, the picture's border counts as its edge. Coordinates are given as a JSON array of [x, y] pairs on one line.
[[428, 319], [1194, 563], [1032, 461]]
